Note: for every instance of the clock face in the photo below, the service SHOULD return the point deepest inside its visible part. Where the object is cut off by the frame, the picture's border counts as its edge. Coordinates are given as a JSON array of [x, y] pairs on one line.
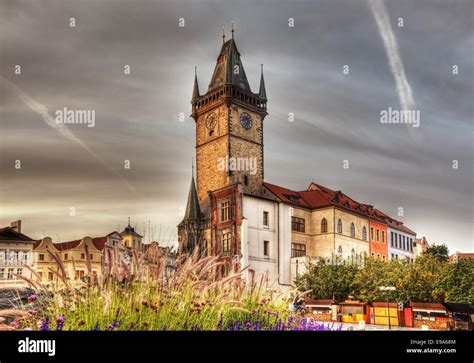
[[211, 121], [246, 120]]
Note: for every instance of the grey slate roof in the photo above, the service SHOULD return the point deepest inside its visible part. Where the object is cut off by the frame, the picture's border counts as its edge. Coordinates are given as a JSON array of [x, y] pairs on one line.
[[9, 234], [224, 72], [193, 211]]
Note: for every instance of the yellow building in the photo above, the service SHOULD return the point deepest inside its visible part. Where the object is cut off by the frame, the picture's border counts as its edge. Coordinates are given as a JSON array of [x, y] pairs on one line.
[[74, 255]]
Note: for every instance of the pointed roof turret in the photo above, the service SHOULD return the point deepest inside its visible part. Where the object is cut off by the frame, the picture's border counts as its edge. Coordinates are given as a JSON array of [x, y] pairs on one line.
[[193, 211], [196, 86], [262, 92], [229, 68]]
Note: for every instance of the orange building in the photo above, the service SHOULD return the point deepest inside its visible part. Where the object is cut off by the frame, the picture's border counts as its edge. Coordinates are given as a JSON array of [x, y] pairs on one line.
[[378, 239]]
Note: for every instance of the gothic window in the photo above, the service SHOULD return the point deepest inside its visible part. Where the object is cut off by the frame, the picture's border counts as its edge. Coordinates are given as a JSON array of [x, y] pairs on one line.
[[226, 242], [364, 233], [339, 251], [353, 233], [378, 235], [371, 233], [225, 211], [353, 255], [383, 236], [324, 225], [339, 226]]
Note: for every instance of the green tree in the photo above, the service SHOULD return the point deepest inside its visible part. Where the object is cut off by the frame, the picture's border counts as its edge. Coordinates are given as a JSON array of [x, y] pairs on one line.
[[455, 282], [367, 281], [419, 281], [327, 280], [440, 252]]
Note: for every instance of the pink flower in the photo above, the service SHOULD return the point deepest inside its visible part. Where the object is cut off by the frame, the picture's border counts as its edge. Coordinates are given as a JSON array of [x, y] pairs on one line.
[[32, 298]]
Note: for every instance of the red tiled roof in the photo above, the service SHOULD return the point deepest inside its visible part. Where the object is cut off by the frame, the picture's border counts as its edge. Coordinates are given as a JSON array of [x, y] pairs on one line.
[[463, 255], [399, 225], [318, 196], [67, 245], [99, 242], [37, 243]]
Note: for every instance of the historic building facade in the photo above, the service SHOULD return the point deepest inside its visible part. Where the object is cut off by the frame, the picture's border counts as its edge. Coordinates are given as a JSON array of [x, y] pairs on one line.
[[233, 213], [16, 255], [401, 241]]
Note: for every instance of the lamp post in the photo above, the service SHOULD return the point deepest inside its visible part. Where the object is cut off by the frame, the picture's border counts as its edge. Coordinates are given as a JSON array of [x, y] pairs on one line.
[[388, 288]]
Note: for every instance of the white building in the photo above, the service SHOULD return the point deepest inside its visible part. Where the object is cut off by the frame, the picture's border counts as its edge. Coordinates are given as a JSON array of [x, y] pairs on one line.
[[401, 240], [16, 253], [266, 240]]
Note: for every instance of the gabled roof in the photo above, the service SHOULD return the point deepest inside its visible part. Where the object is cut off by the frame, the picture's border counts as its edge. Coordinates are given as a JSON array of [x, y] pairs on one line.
[[9, 234], [224, 72], [112, 233], [319, 196]]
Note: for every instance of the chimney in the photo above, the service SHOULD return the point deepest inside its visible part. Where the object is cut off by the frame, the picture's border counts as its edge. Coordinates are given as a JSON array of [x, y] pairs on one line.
[[16, 226]]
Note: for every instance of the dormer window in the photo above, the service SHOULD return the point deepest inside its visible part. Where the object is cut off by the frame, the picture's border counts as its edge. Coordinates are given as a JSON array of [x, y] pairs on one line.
[[294, 198]]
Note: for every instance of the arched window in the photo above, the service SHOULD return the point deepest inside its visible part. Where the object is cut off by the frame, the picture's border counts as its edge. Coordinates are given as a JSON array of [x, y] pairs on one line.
[[339, 226], [364, 233], [324, 225], [353, 256], [353, 230], [339, 251]]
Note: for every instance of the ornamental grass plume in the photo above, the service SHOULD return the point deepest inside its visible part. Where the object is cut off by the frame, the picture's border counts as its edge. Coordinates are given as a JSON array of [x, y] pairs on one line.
[[151, 294]]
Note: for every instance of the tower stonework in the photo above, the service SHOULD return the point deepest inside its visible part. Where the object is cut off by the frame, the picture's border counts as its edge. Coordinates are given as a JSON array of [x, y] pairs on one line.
[[229, 129]]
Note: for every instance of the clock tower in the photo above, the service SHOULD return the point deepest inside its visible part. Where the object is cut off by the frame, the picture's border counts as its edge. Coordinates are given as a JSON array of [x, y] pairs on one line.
[[229, 128]]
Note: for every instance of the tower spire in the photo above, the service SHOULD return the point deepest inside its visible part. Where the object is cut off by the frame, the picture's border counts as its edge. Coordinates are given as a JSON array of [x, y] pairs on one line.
[[262, 92], [196, 86], [223, 35], [232, 28]]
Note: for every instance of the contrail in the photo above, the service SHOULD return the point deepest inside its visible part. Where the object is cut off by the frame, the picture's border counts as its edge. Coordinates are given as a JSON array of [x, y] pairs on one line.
[[391, 47], [43, 111], [61, 128]]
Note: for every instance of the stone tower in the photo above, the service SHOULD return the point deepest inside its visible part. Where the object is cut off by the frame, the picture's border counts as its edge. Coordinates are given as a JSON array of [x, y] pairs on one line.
[[229, 128]]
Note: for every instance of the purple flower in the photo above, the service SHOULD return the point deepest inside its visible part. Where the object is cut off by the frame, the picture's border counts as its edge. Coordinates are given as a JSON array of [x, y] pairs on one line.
[[60, 322], [44, 326], [27, 329], [97, 327], [32, 298]]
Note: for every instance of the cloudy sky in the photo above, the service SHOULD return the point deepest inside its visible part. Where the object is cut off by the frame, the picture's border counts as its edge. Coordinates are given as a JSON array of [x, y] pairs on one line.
[[337, 116]]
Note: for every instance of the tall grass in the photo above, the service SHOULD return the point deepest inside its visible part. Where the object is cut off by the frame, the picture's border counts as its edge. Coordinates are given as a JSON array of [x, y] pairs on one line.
[[147, 296]]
